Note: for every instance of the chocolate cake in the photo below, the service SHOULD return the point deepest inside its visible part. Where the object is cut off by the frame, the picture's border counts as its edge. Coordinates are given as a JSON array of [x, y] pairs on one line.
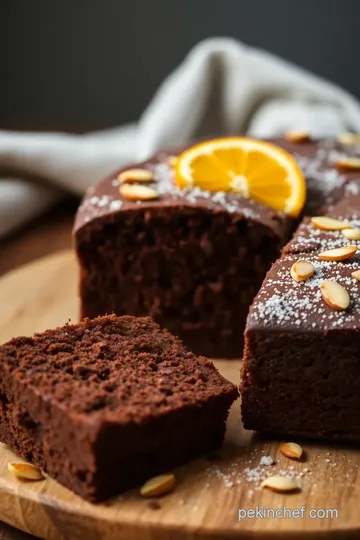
[[192, 259], [107, 403], [300, 374]]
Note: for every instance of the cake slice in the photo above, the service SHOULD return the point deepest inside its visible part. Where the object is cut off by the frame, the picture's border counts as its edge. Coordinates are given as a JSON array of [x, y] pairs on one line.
[[191, 259], [107, 403], [300, 374]]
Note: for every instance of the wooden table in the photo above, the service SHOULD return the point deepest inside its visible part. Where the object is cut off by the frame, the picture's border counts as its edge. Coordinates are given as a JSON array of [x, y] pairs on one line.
[[48, 234]]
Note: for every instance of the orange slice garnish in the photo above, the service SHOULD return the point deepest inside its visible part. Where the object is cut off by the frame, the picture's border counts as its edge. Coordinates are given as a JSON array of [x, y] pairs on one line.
[[249, 167]]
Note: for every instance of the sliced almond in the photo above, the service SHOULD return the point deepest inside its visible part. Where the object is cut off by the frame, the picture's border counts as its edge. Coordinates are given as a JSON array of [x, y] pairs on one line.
[[137, 192], [335, 295], [349, 164], [172, 160], [351, 234], [281, 484], [349, 138], [356, 275], [24, 470], [297, 136], [159, 485], [338, 254], [302, 270], [291, 450], [136, 175], [329, 224]]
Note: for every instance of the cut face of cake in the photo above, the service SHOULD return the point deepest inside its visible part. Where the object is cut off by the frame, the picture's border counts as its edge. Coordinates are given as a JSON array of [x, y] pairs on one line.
[[108, 403], [300, 374], [192, 259]]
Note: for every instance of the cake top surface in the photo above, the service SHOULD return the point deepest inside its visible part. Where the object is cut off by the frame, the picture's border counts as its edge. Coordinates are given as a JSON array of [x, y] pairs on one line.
[[105, 199], [282, 304], [308, 238], [124, 368], [325, 183]]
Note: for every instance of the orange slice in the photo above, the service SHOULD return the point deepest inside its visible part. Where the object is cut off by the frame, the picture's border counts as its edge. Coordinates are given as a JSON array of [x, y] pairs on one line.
[[254, 169]]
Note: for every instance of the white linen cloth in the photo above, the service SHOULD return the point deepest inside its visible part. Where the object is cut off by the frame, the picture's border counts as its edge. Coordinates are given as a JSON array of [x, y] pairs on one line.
[[222, 87]]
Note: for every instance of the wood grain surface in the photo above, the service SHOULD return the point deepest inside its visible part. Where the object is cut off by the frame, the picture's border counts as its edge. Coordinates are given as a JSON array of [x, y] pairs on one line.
[[208, 492]]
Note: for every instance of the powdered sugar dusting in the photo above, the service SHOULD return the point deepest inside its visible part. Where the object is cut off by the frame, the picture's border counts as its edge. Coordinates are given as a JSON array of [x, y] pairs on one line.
[[289, 304]]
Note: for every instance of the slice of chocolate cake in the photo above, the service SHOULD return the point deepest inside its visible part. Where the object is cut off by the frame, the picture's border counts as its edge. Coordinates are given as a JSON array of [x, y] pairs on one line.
[[191, 259], [300, 374], [107, 403]]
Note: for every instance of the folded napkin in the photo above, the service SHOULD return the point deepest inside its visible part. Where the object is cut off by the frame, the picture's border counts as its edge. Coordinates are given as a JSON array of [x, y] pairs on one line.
[[222, 87]]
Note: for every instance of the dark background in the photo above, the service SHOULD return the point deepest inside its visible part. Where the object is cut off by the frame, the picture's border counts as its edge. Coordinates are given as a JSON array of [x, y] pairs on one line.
[[83, 64]]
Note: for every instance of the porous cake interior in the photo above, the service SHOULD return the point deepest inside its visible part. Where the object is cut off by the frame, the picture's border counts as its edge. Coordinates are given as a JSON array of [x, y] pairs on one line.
[[194, 270], [105, 404]]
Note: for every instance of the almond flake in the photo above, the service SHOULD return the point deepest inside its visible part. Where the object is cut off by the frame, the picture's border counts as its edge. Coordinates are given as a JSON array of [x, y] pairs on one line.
[[349, 138], [172, 160], [291, 450], [281, 484], [136, 175], [159, 485], [335, 295], [338, 254], [348, 163], [351, 234], [137, 192], [329, 224], [24, 470], [356, 275], [302, 270], [297, 136]]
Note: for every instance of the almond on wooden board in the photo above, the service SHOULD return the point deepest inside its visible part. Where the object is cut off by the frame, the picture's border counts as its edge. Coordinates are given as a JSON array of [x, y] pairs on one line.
[[325, 223], [335, 295], [135, 175], [291, 450], [338, 254], [24, 470], [281, 484], [159, 485]]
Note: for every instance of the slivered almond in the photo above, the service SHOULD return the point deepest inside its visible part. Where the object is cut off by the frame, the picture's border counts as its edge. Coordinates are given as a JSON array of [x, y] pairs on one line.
[[338, 254], [281, 484], [335, 295], [159, 485], [351, 234], [302, 270], [135, 175], [329, 224], [348, 164], [291, 450], [27, 471], [137, 192], [297, 136], [349, 138], [172, 161], [356, 275]]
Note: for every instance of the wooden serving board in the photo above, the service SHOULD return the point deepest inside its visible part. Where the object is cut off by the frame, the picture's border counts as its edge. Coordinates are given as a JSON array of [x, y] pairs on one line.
[[208, 493]]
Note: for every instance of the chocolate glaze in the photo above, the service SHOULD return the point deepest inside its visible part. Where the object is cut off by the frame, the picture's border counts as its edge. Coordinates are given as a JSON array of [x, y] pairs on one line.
[[325, 184]]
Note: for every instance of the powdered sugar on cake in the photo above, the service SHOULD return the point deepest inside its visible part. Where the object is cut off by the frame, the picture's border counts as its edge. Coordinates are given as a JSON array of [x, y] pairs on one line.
[[286, 303]]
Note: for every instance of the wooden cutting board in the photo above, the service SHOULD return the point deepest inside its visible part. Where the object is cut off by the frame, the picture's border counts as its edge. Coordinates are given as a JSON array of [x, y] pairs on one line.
[[209, 492]]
